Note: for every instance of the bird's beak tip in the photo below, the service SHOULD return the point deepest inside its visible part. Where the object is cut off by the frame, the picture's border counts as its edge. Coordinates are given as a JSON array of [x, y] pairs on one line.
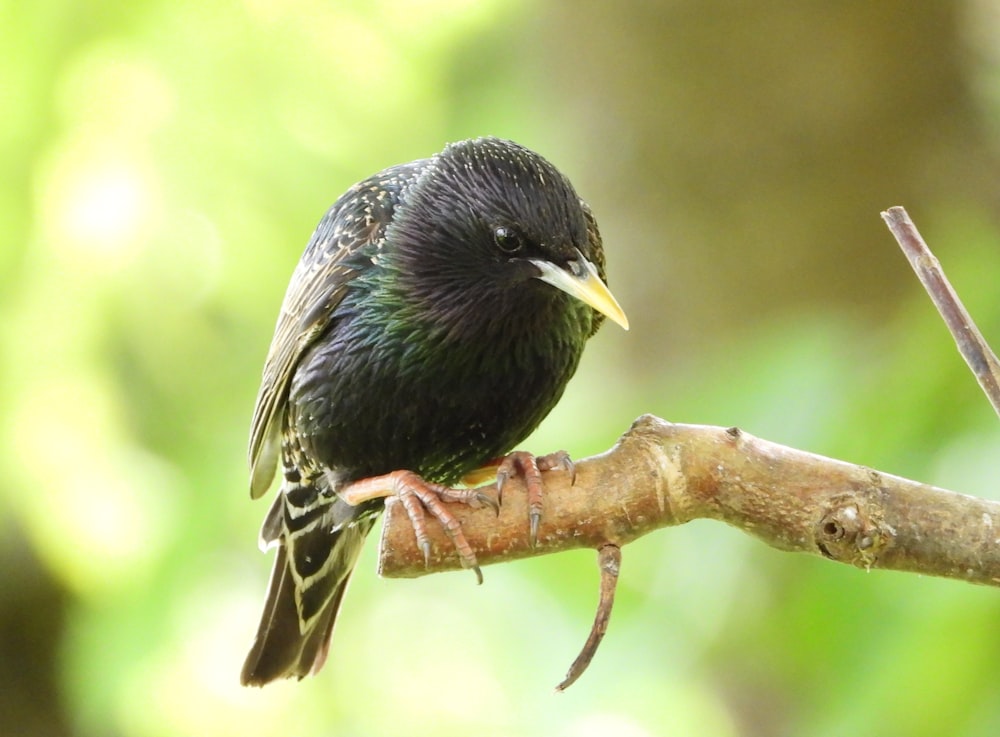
[[589, 288], [611, 309]]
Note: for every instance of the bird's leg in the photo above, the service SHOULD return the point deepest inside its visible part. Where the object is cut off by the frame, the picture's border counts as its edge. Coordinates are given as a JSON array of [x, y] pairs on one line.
[[530, 468], [418, 496]]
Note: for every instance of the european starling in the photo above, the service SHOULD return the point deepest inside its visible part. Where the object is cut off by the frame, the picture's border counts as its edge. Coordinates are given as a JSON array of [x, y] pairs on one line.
[[433, 321]]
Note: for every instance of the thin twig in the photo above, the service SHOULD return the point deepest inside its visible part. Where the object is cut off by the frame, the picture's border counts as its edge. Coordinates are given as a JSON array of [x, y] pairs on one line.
[[609, 560], [971, 344]]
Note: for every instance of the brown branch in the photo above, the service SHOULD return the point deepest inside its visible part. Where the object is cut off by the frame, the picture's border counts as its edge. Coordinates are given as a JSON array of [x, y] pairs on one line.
[[971, 344], [661, 474], [609, 560]]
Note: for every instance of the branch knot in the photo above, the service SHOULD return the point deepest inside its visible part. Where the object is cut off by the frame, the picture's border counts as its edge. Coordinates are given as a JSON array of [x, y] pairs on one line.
[[852, 531]]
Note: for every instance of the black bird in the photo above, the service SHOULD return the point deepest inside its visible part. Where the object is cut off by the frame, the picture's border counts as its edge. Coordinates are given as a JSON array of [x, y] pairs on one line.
[[433, 321]]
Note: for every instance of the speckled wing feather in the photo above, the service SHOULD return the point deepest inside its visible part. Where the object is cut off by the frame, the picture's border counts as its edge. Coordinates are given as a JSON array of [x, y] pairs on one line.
[[358, 219]]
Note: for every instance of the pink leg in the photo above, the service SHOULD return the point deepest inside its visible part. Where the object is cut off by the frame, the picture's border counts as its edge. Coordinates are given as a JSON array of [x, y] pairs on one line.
[[418, 496], [530, 468]]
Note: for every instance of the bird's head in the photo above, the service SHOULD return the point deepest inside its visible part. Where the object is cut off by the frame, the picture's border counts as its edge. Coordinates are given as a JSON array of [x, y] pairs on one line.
[[492, 218]]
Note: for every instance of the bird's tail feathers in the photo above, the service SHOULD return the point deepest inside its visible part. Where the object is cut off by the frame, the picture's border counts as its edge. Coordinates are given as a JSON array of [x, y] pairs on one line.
[[319, 538]]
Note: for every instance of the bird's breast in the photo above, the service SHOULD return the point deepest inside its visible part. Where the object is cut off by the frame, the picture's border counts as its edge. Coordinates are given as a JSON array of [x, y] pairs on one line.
[[375, 395]]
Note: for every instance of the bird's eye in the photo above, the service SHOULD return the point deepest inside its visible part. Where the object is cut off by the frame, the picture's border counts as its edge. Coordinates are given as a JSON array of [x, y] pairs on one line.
[[507, 240]]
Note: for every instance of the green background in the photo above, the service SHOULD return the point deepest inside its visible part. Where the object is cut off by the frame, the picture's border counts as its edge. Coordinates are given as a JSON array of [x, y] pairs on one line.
[[164, 164]]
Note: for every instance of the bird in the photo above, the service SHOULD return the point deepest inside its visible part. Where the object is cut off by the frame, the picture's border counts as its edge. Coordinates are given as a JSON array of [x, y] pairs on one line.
[[434, 319]]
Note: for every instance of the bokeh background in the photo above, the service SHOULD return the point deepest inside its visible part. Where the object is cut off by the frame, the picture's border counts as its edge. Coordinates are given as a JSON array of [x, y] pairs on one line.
[[164, 164]]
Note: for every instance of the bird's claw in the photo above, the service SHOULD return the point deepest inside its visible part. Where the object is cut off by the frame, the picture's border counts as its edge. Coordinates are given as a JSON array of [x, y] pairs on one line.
[[568, 466], [419, 497], [486, 500], [530, 468], [502, 476], [559, 459], [425, 547]]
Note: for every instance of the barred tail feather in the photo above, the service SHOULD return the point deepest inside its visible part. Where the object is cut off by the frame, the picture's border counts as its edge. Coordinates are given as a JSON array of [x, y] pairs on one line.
[[318, 543]]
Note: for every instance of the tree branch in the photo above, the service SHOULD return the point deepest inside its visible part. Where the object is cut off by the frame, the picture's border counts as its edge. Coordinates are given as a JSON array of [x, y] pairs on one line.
[[661, 474]]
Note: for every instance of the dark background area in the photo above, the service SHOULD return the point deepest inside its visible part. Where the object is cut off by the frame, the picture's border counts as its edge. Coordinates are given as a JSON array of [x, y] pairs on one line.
[[164, 166]]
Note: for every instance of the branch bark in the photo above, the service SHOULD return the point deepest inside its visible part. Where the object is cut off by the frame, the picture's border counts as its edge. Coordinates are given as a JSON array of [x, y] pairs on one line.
[[661, 474]]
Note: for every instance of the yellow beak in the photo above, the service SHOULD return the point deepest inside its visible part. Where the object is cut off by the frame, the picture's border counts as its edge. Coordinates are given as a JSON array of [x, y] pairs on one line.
[[580, 280]]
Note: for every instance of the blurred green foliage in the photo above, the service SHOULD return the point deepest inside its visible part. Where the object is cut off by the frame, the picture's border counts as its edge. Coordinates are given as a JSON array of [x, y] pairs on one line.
[[164, 165]]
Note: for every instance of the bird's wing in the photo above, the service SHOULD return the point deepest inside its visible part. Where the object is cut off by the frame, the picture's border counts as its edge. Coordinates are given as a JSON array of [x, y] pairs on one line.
[[358, 219]]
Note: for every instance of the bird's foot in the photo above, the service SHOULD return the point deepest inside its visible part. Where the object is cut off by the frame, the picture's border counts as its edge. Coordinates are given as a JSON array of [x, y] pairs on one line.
[[530, 468], [419, 496]]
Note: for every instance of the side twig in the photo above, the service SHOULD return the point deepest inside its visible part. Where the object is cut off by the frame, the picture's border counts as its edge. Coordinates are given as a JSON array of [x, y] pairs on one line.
[[971, 345], [609, 560]]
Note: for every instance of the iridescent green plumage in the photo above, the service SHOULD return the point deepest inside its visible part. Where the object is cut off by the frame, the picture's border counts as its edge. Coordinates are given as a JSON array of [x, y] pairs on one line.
[[420, 331]]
